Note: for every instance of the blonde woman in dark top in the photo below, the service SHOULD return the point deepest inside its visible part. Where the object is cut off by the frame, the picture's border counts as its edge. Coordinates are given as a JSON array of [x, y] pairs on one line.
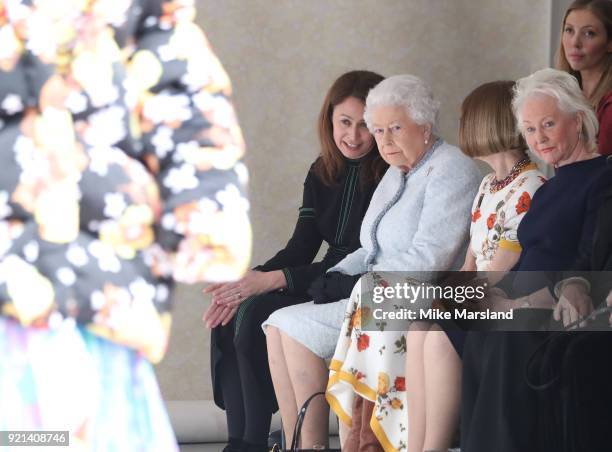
[[337, 192]]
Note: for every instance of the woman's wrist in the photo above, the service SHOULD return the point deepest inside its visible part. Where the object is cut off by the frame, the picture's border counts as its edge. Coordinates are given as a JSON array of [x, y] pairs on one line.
[[276, 280], [577, 282], [541, 299], [523, 302]]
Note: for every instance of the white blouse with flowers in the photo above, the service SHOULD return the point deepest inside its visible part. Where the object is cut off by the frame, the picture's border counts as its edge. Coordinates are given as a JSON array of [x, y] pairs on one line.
[[496, 216]]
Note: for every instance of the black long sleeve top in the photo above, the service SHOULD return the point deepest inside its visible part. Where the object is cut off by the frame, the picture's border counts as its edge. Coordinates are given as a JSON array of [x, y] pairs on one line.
[[560, 224], [557, 234], [331, 214]]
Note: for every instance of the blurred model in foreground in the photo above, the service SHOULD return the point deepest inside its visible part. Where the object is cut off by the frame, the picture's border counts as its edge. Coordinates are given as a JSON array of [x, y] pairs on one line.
[[120, 174]]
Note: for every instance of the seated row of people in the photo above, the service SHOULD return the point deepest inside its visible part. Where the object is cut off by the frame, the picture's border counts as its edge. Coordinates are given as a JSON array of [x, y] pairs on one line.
[[389, 194]]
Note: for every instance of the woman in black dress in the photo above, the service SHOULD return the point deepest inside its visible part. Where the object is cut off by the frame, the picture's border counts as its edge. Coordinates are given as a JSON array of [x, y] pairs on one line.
[[337, 192]]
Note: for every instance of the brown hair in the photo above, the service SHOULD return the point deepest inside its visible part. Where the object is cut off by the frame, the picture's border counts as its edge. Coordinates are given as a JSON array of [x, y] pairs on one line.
[[330, 164], [602, 9], [487, 123]]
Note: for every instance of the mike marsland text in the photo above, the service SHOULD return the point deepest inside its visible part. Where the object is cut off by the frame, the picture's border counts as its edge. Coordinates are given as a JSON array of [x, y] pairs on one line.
[[437, 314]]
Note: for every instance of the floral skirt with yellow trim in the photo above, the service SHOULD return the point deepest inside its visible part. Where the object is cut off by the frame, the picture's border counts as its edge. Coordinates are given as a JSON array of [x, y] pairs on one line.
[[371, 364], [105, 395]]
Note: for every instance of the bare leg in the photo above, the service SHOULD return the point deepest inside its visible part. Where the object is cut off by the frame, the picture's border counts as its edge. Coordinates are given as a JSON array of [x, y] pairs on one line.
[[308, 374], [415, 386], [442, 388], [281, 381], [343, 431]]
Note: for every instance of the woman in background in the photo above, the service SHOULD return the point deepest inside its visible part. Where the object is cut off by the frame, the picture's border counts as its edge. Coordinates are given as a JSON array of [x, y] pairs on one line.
[[487, 132], [585, 51], [337, 192]]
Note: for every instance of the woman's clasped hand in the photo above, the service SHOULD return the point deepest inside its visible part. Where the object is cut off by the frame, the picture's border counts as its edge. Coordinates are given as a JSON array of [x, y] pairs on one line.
[[226, 297]]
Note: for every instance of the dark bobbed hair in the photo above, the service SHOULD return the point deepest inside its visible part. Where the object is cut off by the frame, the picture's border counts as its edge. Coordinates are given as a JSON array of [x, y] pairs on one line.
[[602, 9], [488, 125], [330, 163]]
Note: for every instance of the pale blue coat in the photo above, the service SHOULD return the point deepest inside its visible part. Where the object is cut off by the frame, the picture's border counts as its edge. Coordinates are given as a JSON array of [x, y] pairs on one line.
[[428, 227]]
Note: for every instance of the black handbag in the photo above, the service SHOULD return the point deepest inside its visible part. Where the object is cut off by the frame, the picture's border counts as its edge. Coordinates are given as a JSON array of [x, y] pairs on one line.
[[297, 431], [571, 372]]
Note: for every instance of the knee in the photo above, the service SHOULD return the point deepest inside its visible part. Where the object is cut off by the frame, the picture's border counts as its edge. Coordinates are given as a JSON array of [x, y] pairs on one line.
[[437, 345], [277, 321], [249, 339], [223, 337], [272, 331], [273, 339], [247, 347], [274, 345], [273, 336], [415, 339]]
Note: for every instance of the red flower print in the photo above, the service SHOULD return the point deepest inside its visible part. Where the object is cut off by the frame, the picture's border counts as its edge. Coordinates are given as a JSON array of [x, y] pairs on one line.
[[363, 342], [400, 384], [491, 220], [523, 203], [475, 215]]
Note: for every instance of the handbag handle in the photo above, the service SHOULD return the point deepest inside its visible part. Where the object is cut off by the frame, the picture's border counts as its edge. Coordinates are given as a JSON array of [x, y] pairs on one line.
[[297, 431], [532, 361], [554, 337]]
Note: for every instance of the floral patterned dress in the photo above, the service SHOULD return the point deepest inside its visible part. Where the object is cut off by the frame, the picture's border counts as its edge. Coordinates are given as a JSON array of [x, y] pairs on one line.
[[496, 216], [371, 363], [373, 359], [120, 174]]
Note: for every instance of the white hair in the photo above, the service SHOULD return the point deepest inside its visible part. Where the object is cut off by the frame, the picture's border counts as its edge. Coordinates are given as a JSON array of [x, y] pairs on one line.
[[406, 91], [562, 87]]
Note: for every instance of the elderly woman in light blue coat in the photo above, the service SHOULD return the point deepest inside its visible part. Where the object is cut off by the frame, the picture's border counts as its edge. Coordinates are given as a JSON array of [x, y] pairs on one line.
[[416, 222]]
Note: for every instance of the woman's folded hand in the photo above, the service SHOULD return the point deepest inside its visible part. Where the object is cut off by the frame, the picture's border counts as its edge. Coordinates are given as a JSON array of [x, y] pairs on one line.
[[226, 297]]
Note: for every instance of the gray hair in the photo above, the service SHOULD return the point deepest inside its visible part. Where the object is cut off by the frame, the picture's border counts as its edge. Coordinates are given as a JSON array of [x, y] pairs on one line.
[[562, 87], [406, 91]]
